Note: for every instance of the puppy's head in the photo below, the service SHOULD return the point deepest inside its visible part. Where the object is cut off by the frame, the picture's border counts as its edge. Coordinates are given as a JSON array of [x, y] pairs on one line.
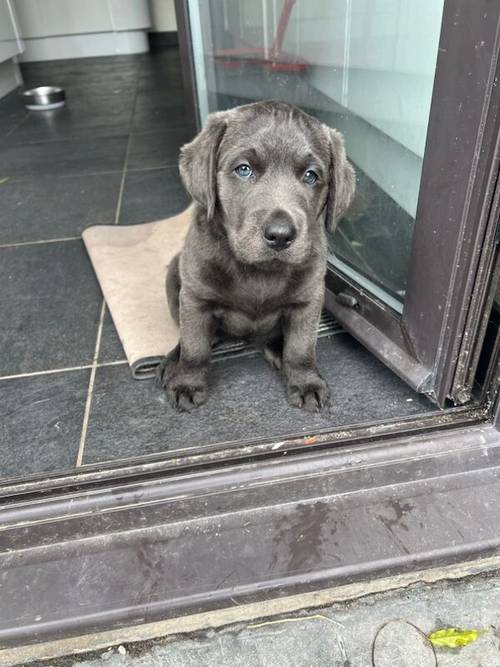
[[271, 175]]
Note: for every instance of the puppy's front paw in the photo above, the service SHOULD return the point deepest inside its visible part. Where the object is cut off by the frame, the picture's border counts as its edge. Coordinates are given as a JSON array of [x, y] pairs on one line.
[[311, 394], [185, 398], [185, 390], [163, 372]]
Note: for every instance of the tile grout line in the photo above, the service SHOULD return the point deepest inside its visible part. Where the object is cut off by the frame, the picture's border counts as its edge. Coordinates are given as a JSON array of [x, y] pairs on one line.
[[117, 362], [72, 137], [41, 242], [16, 127], [90, 391], [84, 174], [66, 369]]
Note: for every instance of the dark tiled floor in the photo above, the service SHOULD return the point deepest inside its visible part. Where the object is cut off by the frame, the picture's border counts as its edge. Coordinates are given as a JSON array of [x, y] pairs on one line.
[[72, 124], [12, 114], [152, 194], [50, 305], [41, 422], [123, 125], [60, 172], [111, 348], [51, 207], [147, 118], [156, 149], [89, 155], [131, 418]]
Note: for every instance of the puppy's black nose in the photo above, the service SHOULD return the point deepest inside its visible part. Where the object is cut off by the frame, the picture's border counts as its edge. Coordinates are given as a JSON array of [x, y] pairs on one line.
[[279, 233]]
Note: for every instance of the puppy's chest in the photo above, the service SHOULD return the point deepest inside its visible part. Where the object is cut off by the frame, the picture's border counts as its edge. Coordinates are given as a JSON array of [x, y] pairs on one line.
[[248, 304], [247, 310], [241, 324]]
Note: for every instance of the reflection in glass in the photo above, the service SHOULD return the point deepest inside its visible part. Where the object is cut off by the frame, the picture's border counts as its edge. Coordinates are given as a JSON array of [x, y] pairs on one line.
[[365, 67]]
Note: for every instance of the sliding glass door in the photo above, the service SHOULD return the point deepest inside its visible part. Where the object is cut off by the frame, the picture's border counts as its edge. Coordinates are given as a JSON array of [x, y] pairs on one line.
[[410, 84]]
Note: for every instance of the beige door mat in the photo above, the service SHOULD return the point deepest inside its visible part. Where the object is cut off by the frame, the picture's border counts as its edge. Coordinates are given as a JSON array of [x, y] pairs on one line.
[[131, 264]]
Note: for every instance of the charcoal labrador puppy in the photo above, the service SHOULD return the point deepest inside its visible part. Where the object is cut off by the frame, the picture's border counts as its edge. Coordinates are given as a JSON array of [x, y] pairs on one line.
[[267, 181]]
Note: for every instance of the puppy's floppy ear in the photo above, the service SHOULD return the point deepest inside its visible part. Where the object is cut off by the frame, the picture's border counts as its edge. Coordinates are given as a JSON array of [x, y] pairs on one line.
[[198, 162], [342, 180]]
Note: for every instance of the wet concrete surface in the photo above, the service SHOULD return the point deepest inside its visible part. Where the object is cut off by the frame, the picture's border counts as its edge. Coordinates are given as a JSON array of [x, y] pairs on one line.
[[386, 630]]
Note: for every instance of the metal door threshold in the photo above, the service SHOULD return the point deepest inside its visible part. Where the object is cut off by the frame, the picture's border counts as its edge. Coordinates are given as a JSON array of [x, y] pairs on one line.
[[93, 561]]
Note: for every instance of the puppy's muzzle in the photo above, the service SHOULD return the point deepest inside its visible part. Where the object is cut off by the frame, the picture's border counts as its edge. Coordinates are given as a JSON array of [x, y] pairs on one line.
[[279, 232]]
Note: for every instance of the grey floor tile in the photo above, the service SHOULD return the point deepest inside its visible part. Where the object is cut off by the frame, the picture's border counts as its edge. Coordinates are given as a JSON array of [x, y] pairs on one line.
[[131, 418], [168, 82], [161, 117], [41, 128], [79, 81], [169, 96], [82, 117], [12, 113], [11, 104], [7, 127], [160, 75], [40, 422], [71, 156], [151, 195], [41, 208], [111, 348], [157, 149], [49, 307], [116, 72]]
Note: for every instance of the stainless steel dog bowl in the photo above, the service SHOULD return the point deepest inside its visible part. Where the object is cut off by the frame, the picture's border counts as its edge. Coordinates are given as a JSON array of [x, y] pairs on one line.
[[44, 98]]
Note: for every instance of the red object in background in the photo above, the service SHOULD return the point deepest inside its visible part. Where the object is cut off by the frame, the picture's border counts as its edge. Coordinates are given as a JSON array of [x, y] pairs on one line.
[[276, 60]]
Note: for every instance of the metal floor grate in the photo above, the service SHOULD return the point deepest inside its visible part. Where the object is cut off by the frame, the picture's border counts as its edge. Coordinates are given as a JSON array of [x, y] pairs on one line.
[[328, 326]]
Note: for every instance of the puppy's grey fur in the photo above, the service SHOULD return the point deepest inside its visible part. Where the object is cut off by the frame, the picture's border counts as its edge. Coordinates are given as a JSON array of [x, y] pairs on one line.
[[227, 281]]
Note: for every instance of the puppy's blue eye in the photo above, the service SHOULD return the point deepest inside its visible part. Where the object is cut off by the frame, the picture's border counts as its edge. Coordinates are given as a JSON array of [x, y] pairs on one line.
[[310, 177], [244, 171]]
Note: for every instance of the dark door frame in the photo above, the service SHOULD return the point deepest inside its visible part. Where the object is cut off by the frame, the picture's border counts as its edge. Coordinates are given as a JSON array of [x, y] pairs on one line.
[[454, 241], [187, 62]]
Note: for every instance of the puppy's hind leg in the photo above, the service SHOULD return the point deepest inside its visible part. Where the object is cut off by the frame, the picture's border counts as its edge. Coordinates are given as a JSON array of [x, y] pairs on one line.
[[173, 288], [272, 352]]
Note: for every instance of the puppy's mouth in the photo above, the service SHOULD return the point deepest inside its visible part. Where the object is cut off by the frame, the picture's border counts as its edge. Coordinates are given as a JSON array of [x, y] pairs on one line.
[[271, 264], [276, 261]]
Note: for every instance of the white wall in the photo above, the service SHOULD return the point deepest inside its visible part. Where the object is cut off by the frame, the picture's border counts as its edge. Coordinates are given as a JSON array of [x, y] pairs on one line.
[[54, 29], [42, 18], [10, 44], [10, 47], [162, 16]]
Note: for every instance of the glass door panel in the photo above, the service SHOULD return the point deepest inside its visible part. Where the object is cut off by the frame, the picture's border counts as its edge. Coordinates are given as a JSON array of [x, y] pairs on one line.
[[365, 67]]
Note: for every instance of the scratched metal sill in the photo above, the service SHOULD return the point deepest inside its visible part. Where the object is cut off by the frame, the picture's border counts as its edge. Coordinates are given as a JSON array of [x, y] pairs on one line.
[[227, 453], [93, 560]]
